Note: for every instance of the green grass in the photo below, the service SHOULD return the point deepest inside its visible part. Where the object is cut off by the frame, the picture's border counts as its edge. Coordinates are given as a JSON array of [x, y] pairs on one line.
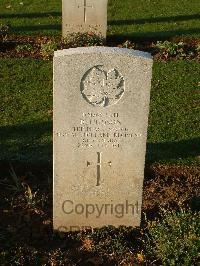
[[158, 19], [26, 111], [138, 19], [175, 240], [173, 133], [174, 129], [33, 17]]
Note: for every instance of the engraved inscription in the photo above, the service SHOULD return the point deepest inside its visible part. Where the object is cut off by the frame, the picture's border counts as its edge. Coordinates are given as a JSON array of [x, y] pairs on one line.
[[100, 130], [85, 6], [99, 164], [103, 130], [101, 88], [80, 26], [93, 28]]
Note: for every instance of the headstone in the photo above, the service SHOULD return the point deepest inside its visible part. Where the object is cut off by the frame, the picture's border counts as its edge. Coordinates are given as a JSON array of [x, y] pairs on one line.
[[84, 16], [101, 105]]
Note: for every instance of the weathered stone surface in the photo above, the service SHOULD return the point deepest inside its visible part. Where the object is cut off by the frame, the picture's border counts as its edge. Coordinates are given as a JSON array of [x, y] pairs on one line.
[[101, 105], [84, 16]]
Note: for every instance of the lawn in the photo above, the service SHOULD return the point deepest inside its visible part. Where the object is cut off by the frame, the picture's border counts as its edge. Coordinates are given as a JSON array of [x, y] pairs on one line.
[[26, 111], [133, 19], [169, 232]]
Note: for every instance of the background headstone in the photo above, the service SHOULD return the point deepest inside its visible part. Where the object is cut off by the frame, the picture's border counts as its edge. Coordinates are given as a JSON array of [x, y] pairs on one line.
[[101, 105], [84, 16]]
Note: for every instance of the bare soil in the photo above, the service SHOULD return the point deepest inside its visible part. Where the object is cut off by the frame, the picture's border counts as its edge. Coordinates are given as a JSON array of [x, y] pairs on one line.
[[26, 215], [9, 47]]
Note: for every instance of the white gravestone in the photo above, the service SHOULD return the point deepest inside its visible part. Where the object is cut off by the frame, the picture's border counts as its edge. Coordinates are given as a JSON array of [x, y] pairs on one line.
[[101, 105], [82, 16]]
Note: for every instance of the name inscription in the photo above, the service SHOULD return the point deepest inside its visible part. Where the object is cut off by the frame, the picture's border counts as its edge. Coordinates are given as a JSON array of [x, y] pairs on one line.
[[81, 27], [100, 130]]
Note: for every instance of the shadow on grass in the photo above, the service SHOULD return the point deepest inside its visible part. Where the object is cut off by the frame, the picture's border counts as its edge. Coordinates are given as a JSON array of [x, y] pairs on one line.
[[152, 35], [111, 22], [153, 20], [31, 15], [33, 142], [119, 37], [28, 142], [36, 28], [173, 150]]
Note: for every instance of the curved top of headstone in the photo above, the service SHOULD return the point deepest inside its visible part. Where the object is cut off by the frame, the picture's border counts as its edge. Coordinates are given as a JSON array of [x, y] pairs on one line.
[[102, 50]]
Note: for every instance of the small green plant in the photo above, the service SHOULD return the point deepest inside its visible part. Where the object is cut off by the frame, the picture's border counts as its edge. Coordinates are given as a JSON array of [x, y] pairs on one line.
[[24, 48], [30, 196], [111, 239], [128, 44], [3, 257], [47, 49], [14, 184], [82, 40], [175, 240], [198, 48], [4, 30], [172, 49]]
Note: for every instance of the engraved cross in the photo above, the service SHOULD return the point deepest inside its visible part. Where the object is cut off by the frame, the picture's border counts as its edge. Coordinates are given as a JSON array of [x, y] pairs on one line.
[[85, 6], [99, 165]]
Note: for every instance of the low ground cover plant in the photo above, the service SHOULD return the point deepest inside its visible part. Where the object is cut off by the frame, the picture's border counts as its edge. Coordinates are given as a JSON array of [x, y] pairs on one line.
[[175, 238]]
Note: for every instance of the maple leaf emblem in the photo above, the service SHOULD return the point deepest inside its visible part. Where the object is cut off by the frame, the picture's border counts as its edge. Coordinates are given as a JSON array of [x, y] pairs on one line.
[[101, 88]]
